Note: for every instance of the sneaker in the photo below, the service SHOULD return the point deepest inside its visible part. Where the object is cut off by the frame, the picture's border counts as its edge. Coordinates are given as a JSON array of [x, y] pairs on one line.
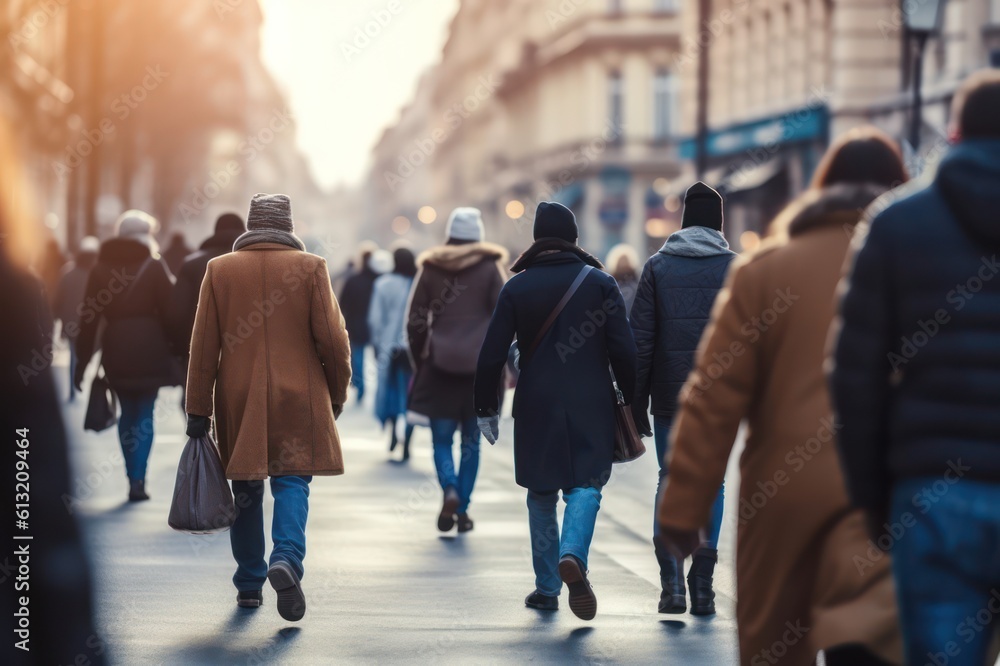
[[465, 523], [582, 600], [291, 600], [251, 599], [542, 602], [446, 519]]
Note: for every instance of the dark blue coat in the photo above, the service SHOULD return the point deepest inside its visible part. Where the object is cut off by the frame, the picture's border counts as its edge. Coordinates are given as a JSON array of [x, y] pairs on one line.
[[672, 307], [564, 418], [917, 376]]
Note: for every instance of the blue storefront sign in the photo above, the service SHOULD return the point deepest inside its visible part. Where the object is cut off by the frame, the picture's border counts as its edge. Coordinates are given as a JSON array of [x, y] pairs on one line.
[[805, 124]]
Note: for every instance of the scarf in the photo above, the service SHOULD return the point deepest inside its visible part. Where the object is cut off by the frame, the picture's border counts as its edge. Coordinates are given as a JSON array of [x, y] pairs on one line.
[[548, 246], [255, 236]]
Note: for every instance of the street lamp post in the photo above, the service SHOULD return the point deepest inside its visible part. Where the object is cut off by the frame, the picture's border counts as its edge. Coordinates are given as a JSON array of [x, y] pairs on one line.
[[923, 19]]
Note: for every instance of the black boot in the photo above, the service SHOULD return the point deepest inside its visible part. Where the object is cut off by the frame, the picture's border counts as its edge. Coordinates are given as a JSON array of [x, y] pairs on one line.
[[700, 581], [137, 491], [672, 595]]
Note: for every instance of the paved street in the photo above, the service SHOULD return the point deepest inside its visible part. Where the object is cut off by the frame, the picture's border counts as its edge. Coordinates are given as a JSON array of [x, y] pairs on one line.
[[382, 585]]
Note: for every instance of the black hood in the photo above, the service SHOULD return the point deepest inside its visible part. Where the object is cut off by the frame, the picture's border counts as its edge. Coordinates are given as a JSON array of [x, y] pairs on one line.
[[220, 241], [122, 252], [969, 180]]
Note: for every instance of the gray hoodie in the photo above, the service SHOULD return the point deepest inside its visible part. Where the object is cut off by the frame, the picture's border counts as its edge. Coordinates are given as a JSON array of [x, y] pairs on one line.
[[696, 242]]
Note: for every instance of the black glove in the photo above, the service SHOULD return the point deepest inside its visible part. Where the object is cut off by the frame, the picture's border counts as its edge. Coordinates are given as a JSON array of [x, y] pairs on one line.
[[641, 418], [198, 426]]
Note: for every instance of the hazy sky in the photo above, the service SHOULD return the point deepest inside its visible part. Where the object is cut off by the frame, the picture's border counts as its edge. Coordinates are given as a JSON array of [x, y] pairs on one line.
[[343, 101]]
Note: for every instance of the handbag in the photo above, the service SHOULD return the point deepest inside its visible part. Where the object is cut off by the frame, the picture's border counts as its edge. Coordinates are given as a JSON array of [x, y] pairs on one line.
[[628, 443], [203, 501], [102, 406]]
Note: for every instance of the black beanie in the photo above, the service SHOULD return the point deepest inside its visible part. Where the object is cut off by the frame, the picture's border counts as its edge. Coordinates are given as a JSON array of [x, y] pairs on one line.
[[553, 220], [229, 222], [702, 207]]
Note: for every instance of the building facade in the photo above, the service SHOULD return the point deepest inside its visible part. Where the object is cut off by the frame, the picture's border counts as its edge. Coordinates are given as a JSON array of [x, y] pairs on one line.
[[575, 101], [785, 76]]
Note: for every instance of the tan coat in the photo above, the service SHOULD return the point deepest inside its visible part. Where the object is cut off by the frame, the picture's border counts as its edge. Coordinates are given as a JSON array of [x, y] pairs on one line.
[[270, 340], [802, 554]]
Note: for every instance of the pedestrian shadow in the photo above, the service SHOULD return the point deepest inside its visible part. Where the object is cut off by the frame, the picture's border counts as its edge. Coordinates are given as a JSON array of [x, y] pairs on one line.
[[218, 650], [240, 618]]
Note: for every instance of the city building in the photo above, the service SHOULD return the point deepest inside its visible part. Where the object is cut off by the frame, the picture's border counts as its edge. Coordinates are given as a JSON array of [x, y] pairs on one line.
[[787, 75], [575, 101]]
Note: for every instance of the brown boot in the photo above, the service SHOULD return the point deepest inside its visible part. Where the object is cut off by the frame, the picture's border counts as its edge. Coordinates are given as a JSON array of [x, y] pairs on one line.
[[446, 519]]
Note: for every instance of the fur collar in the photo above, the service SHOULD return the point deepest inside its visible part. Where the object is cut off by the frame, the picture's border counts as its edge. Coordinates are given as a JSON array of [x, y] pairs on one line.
[[830, 205], [455, 258], [546, 245]]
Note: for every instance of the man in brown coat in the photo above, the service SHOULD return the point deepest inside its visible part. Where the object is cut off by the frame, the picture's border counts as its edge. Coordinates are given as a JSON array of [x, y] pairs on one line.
[[270, 341], [807, 577]]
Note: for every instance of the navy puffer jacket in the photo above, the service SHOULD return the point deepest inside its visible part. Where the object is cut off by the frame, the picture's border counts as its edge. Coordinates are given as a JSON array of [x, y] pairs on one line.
[[916, 382], [672, 307]]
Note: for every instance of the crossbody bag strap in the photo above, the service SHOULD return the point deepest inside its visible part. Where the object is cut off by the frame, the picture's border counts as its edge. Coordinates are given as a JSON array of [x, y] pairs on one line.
[[558, 309]]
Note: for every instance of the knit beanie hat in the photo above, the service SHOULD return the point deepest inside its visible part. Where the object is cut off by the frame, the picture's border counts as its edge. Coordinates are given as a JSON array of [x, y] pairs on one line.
[[138, 226], [229, 223], [270, 212], [465, 224], [553, 220], [702, 207]]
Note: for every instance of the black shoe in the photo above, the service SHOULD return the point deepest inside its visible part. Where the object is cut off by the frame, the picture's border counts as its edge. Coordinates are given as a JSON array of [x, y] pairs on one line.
[[673, 599], [251, 599], [542, 602], [700, 581], [291, 600], [446, 519], [137, 491], [393, 441], [582, 600], [465, 523]]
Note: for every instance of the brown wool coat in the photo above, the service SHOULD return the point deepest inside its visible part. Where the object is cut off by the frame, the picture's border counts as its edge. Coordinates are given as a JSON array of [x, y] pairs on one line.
[[802, 554], [270, 341]]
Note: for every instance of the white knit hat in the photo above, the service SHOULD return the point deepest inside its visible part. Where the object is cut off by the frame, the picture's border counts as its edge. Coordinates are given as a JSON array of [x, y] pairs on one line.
[[466, 224], [381, 262], [138, 226]]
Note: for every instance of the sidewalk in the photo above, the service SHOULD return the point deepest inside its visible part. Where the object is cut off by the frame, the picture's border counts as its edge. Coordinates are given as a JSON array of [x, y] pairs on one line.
[[381, 583]]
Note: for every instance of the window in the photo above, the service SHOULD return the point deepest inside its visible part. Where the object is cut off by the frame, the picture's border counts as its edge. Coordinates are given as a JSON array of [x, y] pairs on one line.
[[665, 105], [616, 102]]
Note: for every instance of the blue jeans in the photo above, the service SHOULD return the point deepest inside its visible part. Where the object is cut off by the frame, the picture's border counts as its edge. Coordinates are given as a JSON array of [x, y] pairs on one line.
[[288, 528], [547, 547], [358, 369], [661, 437], [946, 563], [443, 437], [135, 431]]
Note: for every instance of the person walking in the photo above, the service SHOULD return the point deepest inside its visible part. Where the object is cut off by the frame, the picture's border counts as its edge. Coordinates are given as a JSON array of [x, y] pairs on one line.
[[69, 299], [270, 364], [570, 324], [228, 228], [623, 264], [761, 359], [355, 299], [915, 376], [386, 321], [177, 251], [451, 303], [129, 293], [672, 306]]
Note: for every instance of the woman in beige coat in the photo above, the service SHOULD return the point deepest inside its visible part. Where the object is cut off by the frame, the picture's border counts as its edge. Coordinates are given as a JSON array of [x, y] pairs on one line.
[[270, 343], [807, 579]]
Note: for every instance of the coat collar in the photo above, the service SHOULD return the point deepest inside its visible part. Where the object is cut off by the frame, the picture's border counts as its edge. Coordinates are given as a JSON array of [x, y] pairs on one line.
[[551, 251], [455, 258], [842, 204], [266, 246]]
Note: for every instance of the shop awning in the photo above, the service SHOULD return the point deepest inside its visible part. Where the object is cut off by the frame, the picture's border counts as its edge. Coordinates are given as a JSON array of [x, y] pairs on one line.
[[750, 178]]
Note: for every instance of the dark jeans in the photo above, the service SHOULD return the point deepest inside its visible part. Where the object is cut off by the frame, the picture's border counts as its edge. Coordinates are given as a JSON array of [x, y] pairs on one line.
[[946, 563], [288, 528], [135, 431], [443, 437], [358, 369], [661, 436]]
